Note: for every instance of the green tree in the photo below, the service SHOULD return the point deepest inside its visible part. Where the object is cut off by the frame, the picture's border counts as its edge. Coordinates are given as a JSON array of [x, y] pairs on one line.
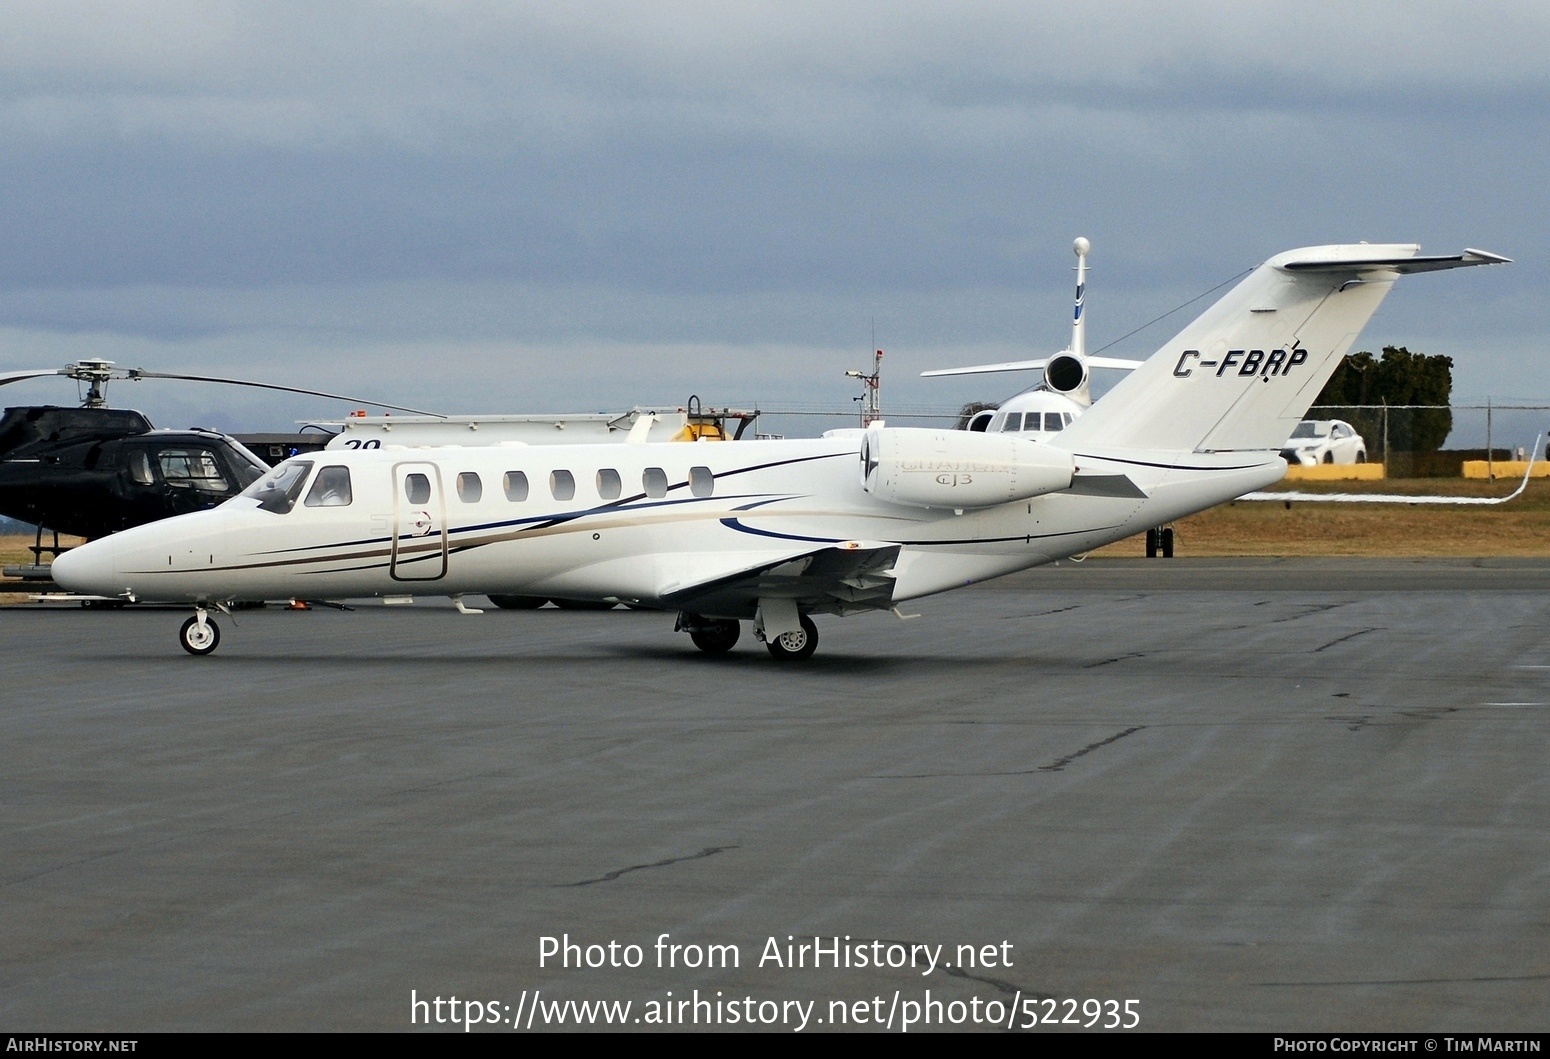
[[970, 410], [1399, 378]]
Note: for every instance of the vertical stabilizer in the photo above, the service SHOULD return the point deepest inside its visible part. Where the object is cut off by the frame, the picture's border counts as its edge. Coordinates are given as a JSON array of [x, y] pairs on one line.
[[1242, 375]]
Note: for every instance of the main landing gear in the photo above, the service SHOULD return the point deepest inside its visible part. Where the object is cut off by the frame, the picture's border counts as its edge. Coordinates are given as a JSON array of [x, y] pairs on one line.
[[1158, 540], [796, 645], [717, 636], [199, 635]]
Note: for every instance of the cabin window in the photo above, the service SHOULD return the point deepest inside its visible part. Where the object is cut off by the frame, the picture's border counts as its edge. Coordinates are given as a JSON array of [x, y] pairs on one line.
[[701, 481], [417, 488], [608, 484], [140, 467], [1013, 422], [1052, 421], [331, 489], [515, 484], [654, 480], [192, 469], [562, 485], [278, 490], [469, 487]]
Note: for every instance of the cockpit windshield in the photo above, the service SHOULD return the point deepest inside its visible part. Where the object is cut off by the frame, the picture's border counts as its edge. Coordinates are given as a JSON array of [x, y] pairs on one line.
[[247, 467], [1310, 429], [278, 490]]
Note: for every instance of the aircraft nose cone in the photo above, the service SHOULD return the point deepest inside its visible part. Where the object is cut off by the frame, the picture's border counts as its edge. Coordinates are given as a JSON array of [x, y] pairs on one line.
[[87, 570]]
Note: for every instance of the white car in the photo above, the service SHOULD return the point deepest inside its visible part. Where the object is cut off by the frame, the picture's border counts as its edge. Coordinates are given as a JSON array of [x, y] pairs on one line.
[[1324, 441]]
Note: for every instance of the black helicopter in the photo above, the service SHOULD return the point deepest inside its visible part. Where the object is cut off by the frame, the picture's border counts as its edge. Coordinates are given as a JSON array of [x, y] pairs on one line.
[[94, 470]]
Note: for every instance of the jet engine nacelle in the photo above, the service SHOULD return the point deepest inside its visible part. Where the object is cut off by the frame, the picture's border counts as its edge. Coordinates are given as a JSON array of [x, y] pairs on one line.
[[958, 469], [1066, 373]]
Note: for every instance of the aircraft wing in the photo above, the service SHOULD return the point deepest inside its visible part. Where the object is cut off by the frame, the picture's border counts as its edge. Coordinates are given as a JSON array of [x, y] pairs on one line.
[[1029, 365], [835, 579]]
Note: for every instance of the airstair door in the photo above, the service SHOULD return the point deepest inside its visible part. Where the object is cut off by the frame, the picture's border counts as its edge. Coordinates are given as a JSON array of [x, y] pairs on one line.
[[419, 549]]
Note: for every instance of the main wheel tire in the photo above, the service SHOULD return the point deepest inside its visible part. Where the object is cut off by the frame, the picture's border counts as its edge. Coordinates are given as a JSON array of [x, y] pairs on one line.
[[518, 602], [1151, 543], [796, 645], [1329, 457], [717, 637], [199, 639], [1167, 543], [1361, 457]]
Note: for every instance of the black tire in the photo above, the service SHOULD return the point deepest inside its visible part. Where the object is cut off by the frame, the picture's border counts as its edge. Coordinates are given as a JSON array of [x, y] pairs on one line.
[[197, 643], [1361, 457], [518, 602], [1329, 457], [716, 637], [1167, 543], [1151, 543], [795, 646], [584, 604]]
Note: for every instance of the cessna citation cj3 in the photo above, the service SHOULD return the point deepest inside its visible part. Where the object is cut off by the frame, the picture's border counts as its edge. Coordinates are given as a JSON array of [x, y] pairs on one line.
[[775, 531]]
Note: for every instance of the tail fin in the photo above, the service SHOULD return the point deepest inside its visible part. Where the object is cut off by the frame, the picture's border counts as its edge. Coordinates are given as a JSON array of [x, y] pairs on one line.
[[1244, 373]]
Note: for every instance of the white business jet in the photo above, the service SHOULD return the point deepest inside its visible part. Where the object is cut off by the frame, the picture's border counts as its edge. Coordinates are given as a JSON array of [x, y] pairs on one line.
[[775, 531], [1065, 390]]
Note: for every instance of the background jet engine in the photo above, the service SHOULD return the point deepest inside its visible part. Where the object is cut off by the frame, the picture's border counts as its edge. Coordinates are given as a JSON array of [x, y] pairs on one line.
[[958, 469], [1066, 373]]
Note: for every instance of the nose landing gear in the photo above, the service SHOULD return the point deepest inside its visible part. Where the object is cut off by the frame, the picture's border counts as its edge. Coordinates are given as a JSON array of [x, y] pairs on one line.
[[199, 635]]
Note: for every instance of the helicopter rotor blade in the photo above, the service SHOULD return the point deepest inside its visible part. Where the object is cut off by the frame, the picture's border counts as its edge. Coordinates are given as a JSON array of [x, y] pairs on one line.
[[136, 374], [18, 376]]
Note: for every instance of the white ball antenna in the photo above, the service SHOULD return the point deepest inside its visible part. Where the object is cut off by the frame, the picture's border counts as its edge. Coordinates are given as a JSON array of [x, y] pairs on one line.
[[1081, 246]]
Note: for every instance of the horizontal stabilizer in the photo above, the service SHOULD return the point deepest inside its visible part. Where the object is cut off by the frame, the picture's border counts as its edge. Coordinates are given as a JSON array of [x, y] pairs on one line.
[[1405, 266], [1397, 498], [1030, 365]]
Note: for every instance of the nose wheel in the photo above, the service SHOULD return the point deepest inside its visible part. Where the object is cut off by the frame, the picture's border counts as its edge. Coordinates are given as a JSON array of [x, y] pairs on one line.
[[199, 635]]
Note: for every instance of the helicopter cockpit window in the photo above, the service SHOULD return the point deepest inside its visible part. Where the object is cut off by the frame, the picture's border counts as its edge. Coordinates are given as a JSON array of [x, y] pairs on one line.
[[331, 489], [192, 469], [278, 490], [140, 467]]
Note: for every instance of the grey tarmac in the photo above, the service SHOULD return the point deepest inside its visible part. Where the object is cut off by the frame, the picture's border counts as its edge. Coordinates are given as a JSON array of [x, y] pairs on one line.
[[1251, 794]]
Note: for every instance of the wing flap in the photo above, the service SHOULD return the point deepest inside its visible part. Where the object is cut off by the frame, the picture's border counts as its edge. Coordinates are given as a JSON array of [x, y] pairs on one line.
[[840, 578]]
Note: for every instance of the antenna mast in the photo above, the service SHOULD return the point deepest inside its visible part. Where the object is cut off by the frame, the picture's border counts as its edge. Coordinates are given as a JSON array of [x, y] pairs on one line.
[[871, 390]]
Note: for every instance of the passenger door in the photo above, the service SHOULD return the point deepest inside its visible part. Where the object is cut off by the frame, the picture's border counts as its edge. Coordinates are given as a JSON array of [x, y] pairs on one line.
[[419, 548]]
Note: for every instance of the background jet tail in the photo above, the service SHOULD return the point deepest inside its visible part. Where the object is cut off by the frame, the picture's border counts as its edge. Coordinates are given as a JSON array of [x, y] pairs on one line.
[[1242, 375]]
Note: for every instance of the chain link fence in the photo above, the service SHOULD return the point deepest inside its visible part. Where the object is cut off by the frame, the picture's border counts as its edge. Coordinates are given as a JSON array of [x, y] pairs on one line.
[[1412, 441]]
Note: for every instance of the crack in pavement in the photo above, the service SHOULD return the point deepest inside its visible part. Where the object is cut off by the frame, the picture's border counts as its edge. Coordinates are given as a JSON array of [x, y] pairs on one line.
[[1109, 661], [708, 851], [1054, 766], [1349, 636]]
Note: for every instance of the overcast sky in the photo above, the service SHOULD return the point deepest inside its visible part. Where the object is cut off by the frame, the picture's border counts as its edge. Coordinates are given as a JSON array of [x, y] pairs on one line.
[[490, 207]]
